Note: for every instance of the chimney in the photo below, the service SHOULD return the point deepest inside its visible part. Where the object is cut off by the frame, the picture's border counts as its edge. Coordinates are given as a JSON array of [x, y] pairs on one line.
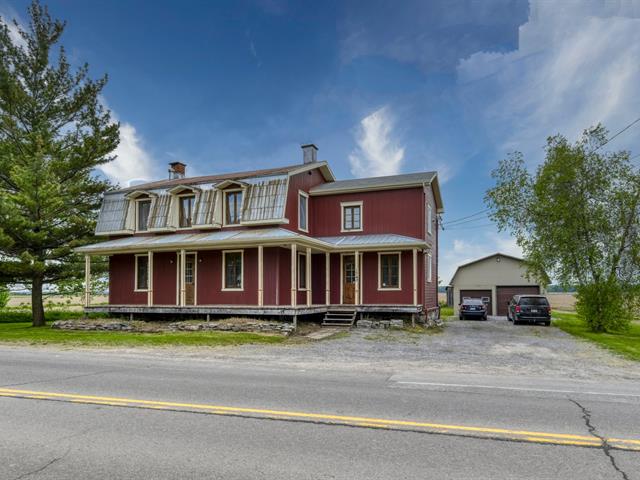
[[177, 170], [309, 153]]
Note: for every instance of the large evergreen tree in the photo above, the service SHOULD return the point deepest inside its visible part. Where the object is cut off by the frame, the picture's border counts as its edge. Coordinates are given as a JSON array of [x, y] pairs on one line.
[[53, 133]]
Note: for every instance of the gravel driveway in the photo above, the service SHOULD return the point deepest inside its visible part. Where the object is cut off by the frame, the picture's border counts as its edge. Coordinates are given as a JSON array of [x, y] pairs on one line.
[[492, 347]]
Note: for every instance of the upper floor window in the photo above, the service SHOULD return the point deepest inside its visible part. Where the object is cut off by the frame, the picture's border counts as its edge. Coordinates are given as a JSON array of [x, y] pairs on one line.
[[186, 210], [142, 214], [303, 211], [233, 207], [142, 272], [232, 270], [429, 219], [352, 216], [389, 275]]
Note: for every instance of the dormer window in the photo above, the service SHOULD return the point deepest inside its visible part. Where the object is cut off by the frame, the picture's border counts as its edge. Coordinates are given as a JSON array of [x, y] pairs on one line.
[[351, 217], [233, 207], [142, 214], [186, 210]]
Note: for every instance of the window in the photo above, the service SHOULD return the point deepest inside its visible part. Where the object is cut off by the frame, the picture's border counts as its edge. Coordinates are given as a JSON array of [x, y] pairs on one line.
[[429, 267], [303, 211], [186, 210], [352, 216], [142, 272], [143, 207], [232, 270], [233, 207], [429, 219], [389, 271], [302, 271]]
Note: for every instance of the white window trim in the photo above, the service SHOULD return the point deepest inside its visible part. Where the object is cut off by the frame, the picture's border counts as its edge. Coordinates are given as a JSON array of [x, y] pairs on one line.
[[137, 203], [195, 201], [300, 289], [306, 195], [429, 268], [224, 270], [386, 289], [351, 204], [429, 219], [224, 207], [135, 279]]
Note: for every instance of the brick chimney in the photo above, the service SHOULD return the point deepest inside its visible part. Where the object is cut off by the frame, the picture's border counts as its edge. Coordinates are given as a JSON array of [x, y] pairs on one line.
[[309, 153], [177, 170]]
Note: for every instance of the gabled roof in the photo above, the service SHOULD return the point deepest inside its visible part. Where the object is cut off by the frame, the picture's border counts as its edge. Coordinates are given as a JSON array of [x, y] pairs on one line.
[[390, 182], [287, 170], [482, 259]]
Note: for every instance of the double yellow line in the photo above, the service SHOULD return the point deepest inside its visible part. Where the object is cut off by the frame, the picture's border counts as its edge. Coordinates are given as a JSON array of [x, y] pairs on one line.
[[365, 422]]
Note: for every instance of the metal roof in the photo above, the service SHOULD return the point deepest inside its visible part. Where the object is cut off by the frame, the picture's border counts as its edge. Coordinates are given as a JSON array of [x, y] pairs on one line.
[[373, 183], [386, 239]]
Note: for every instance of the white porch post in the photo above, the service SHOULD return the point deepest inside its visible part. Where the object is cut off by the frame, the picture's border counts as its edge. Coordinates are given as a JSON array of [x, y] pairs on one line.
[[415, 276], [260, 276], [327, 278], [183, 288], [357, 267], [87, 280], [308, 277], [150, 280], [294, 283]]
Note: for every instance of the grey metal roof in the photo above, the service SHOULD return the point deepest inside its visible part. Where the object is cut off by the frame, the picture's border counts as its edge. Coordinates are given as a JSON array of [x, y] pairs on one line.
[[373, 183], [383, 239]]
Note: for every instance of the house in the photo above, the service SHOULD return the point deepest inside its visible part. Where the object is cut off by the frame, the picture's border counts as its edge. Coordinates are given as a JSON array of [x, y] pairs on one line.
[[284, 241], [495, 278]]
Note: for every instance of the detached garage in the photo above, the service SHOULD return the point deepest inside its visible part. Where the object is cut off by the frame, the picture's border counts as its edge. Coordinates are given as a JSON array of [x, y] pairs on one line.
[[495, 278]]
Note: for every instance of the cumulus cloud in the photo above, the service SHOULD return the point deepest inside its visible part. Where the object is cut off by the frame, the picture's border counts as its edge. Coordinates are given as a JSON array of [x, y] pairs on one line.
[[8, 16], [377, 152], [576, 65]]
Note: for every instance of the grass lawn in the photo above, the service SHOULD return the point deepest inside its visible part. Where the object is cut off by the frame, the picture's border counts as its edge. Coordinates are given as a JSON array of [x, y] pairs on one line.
[[446, 312], [15, 327], [625, 343]]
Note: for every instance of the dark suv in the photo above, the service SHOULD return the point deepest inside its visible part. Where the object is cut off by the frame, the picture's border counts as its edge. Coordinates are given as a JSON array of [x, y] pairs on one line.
[[529, 309], [472, 308]]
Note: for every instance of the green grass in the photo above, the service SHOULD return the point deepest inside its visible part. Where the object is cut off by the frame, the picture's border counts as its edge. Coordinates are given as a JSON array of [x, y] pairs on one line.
[[625, 343], [15, 327], [446, 312]]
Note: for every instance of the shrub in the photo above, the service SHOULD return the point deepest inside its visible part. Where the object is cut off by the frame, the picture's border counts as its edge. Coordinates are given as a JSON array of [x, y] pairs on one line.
[[605, 306], [4, 296]]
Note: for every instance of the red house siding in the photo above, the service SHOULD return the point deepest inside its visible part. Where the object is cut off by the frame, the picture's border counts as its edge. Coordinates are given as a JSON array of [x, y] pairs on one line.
[[121, 281], [380, 212], [318, 275], [335, 275], [164, 278], [370, 292], [302, 181], [210, 279], [284, 294], [271, 282], [430, 293]]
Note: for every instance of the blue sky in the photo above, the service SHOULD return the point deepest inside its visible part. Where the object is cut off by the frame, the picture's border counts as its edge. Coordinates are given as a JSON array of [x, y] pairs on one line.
[[380, 87]]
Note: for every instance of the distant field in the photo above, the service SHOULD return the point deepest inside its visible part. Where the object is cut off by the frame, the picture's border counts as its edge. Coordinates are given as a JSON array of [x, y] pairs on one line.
[[559, 301], [70, 303]]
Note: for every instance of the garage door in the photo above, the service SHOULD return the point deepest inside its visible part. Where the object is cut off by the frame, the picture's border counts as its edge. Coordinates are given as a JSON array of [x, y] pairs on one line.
[[477, 294], [504, 294]]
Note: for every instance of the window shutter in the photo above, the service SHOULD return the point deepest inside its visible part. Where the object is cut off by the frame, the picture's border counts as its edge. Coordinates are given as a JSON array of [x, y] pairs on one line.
[[159, 216], [206, 208], [113, 215]]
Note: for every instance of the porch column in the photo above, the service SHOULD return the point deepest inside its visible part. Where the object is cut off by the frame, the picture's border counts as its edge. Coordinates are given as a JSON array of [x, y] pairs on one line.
[[308, 275], [260, 276], [327, 278], [415, 276], [183, 289], [356, 255], [294, 267], [87, 280], [150, 280]]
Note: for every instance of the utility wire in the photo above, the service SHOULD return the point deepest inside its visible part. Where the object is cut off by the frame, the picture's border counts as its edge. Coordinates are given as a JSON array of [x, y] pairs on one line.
[[464, 218], [471, 227], [614, 136]]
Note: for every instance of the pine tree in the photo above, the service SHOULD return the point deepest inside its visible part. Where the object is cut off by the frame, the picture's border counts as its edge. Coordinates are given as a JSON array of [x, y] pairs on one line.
[[54, 132]]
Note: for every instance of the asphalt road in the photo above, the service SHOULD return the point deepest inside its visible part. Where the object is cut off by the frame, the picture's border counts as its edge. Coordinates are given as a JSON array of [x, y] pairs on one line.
[[69, 414]]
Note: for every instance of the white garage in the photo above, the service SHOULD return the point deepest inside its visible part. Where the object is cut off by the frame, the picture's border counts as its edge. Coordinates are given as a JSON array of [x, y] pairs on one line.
[[495, 278]]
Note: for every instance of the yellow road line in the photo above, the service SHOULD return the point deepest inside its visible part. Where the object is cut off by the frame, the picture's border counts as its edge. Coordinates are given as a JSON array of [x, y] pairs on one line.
[[523, 435]]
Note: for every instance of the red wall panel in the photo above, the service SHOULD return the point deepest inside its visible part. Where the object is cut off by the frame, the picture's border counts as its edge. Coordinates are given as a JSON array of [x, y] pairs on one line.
[[121, 281], [386, 211], [318, 275], [370, 292], [271, 285], [302, 181], [164, 278], [210, 279], [284, 293], [335, 275]]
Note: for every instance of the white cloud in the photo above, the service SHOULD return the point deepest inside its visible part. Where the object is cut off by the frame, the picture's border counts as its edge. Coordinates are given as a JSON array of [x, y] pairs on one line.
[[377, 153], [7, 16], [576, 65]]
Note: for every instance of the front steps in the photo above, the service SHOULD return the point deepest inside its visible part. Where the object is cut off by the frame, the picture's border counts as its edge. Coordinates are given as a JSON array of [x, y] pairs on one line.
[[339, 318]]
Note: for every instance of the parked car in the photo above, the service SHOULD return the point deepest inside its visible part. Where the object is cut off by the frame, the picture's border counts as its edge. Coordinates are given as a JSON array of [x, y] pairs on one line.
[[529, 309], [473, 308]]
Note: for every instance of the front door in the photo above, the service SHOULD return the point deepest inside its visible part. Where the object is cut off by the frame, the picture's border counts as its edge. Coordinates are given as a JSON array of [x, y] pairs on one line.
[[349, 279], [189, 279]]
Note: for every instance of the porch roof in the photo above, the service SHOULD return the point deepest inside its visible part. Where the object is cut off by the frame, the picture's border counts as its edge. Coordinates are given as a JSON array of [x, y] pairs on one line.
[[260, 236]]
